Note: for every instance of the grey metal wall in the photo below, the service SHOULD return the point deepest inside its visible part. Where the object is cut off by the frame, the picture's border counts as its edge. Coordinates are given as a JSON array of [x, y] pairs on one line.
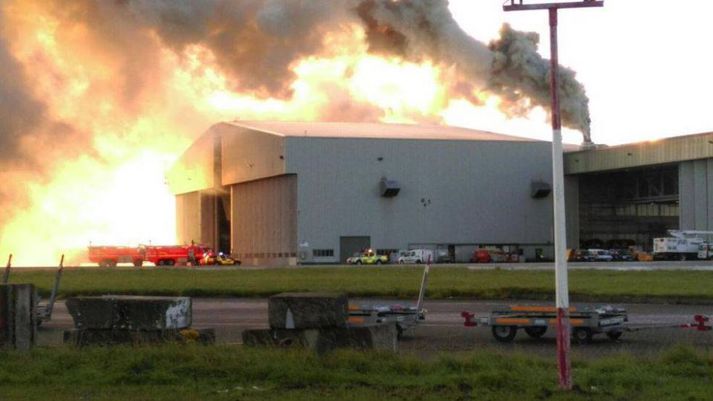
[[571, 203], [695, 182], [196, 219], [264, 220], [249, 155], [452, 192]]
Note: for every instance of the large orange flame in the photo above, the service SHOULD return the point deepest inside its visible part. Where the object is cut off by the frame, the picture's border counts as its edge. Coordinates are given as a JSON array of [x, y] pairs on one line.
[[114, 193]]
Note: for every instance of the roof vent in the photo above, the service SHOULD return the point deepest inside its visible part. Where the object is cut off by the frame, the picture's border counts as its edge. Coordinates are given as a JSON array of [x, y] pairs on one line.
[[389, 188], [539, 189]]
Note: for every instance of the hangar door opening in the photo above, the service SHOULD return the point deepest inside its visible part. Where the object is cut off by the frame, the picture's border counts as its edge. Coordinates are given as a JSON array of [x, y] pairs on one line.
[[628, 207], [350, 245]]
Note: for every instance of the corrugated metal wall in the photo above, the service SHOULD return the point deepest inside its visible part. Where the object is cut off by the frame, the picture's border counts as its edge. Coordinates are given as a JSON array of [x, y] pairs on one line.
[[669, 150], [696, 194], [452, 192], [196, 218], [264, 220]]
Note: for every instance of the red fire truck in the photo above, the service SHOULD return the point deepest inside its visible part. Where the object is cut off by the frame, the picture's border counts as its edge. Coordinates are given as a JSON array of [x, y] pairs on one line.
[[109, 256], [160, 255], [170, 255]]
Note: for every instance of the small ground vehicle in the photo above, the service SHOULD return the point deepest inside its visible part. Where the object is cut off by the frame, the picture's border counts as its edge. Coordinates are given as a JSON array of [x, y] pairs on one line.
[[352, 260], [221, 259], [621, 255], [600, 255], [490, 255], [416, 256], [370, 257], [395, 256], [705, 251]]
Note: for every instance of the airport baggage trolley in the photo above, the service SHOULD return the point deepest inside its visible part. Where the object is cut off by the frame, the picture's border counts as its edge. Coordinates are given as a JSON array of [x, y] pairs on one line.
[[404, 317], [505, 321]]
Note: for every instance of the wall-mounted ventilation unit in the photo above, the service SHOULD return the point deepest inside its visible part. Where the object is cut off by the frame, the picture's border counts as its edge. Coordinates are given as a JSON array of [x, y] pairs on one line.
[[389, 188], [540, 189]]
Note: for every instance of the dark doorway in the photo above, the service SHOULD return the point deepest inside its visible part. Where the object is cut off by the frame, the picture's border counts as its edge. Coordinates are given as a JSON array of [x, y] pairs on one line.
[[223, 215], [352, 244]]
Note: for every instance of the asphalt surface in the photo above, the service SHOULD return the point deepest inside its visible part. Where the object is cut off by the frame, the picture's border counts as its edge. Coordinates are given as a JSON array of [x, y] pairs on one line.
[[443, 328]]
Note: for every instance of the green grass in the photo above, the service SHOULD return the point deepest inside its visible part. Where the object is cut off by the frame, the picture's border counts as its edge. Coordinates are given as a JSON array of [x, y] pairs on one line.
[[402, 282], [192, 372]]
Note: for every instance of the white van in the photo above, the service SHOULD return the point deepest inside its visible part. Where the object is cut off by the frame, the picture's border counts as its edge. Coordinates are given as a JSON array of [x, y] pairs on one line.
[[417, 256]]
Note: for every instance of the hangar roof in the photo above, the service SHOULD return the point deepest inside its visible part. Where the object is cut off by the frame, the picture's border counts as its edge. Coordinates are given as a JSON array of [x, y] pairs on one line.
[[662, 151], [374, 131]]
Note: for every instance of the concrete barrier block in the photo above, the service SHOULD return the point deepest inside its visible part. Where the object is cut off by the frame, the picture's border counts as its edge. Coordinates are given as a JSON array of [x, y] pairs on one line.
[[18, 326], [85, 337], [7, 311], [307, 310], [122, 312], [378, 337]]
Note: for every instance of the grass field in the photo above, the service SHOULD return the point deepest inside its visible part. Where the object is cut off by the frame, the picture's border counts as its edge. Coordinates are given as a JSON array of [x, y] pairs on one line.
[[402, 282], [192, 372]]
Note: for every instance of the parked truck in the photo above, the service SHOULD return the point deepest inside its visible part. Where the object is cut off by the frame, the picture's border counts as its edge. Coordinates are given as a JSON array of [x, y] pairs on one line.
[[110, 256], [681, 245], [159, 255]]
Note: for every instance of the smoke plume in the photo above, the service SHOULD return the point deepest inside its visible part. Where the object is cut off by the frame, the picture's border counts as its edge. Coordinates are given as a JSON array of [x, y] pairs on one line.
[[88, 84]]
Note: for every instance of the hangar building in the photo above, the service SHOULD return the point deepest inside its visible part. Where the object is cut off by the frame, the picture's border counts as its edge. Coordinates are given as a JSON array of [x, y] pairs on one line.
[[289, 192], [629, 194]]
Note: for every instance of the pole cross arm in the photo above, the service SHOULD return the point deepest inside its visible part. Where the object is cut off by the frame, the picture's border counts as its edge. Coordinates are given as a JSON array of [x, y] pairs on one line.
[[517, 5]]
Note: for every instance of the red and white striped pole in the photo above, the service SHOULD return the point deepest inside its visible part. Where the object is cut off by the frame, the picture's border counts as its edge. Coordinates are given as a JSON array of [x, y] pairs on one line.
[[562, 288]]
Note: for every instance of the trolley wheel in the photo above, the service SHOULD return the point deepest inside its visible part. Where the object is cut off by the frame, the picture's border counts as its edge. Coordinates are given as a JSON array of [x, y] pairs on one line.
[[358, 262], [378, 262], [504, 334], [582, 335], [536, 331], [614, 334], [138, 263]]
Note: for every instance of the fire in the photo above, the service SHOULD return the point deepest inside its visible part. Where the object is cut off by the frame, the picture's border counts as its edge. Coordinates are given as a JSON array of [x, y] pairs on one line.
[[127, 120]]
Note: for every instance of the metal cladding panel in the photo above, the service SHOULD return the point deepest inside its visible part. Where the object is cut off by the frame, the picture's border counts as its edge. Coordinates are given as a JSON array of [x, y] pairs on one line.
[[188, 217], [196, 218], [696, 195], [687, 198], [264, 218], [571, 187], [451, 191], [670, 150], [700, 187], [195, 170], [250, 155]]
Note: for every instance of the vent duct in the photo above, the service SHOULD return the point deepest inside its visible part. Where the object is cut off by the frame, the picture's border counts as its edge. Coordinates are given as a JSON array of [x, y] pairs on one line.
[[389, 188], [540, 189]]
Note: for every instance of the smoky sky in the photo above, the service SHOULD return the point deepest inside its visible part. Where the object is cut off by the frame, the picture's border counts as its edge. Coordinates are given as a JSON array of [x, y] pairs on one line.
[[257, 42]]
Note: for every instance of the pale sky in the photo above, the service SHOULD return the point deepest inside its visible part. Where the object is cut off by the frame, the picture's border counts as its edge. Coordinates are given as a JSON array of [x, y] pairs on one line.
[[647, 66]]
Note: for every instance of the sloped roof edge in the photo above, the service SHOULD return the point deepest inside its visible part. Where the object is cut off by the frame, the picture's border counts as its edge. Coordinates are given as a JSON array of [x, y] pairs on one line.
[[374, 131]]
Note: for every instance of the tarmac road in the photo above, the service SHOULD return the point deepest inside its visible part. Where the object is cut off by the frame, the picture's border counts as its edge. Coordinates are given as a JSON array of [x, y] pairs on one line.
[[443, 328]]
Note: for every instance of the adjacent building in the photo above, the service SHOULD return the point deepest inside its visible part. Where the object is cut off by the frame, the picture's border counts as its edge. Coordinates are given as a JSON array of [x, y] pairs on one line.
[[629, 194]]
